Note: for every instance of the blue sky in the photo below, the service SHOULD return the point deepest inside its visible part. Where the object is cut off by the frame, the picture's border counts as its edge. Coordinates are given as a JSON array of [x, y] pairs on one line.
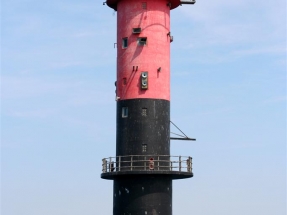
[[228, 90]]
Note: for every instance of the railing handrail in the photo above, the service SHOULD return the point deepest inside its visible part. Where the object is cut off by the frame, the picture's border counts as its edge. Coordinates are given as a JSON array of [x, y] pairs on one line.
[[123, 156], [146, 163]]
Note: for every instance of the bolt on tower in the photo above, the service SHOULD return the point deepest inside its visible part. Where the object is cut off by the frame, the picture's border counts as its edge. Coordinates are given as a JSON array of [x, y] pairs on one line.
[[143, 168]]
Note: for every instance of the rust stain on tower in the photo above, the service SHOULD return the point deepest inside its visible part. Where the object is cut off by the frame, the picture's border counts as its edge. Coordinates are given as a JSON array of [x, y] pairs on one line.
[[143, 168]]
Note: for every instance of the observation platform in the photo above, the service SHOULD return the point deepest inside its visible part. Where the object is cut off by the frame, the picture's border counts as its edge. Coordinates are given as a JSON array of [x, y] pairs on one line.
[[177, 167]]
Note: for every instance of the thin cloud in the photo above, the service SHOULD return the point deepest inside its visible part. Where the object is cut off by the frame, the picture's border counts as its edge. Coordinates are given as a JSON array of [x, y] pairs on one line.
[[265, 50], [234, 23], [40, 113], [84, 34], [276, 99], [25, 87]]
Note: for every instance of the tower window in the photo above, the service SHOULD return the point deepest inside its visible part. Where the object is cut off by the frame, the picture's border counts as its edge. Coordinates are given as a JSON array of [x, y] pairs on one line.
[[137, 30], [142, 41], [144, 112], [144, 147], [125, 112], [144, 5], [125, 43]]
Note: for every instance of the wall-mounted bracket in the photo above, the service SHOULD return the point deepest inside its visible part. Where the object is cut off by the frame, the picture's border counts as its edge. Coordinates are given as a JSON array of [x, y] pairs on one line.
[[180, 137], [135, 68], [171, 37], [144, 80], [184, 138]]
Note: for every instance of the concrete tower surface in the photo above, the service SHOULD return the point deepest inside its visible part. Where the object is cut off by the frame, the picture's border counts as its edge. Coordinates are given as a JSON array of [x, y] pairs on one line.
[[143, 168]]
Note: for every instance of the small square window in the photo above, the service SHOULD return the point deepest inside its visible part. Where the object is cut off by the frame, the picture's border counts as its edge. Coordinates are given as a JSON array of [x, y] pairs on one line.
[[144, 147], [125, 112], [137, 30], [142, 41], [144, 112], [125, 43]]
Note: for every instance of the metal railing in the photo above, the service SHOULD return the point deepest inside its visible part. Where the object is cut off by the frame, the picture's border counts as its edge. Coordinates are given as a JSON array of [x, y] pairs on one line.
[[147, 163]]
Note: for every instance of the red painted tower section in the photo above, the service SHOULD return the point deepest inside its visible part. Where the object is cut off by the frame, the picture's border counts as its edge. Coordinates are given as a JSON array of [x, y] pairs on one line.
[[153, 20], [143, 168]]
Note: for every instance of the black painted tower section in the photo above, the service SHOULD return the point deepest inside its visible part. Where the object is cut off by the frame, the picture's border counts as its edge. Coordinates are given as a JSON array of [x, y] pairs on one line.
[[147, 124], [143, 128], [143, 195]]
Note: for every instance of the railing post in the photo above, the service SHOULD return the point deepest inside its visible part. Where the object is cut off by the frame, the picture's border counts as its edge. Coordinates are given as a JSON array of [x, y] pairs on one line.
[[145, 162], [119, 163], [157, 162], [190, 164], [110, 163], [104, 165], [131, 162], [180, 163]]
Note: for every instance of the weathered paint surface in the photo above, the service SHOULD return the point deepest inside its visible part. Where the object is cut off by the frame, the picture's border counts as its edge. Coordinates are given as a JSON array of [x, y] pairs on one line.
[[154, 21], [152, 129], [154, 199]]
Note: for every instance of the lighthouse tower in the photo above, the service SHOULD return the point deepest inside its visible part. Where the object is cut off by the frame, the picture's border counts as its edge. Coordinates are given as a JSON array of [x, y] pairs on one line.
[[143, 168]]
